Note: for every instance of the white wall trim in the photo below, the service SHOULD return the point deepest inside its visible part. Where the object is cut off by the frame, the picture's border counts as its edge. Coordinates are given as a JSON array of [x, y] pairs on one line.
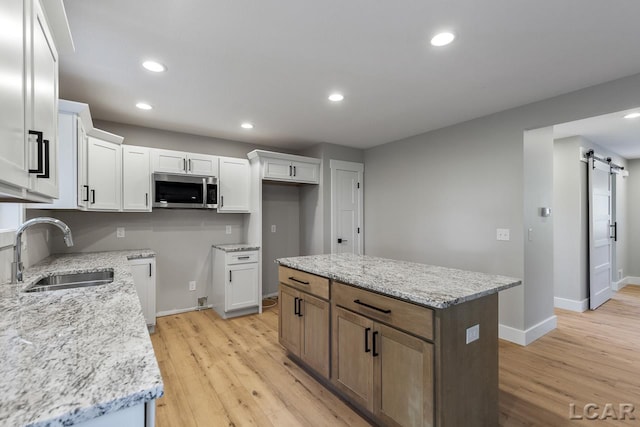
[[178, 311], [629, 280], [530, 335], [571, 304]]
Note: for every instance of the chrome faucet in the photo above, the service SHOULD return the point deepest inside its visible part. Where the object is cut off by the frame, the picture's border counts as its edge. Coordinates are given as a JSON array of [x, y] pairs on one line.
[[16, 266]]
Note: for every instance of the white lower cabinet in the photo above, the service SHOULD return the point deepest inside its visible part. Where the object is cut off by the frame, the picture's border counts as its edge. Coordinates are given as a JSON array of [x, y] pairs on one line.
[[144, 276], [235, 283]]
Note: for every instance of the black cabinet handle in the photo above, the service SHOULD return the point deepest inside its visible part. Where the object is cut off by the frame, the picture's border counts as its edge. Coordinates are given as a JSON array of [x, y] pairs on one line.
[[244, 257], [382, 310], [149, 269], [184, 165], [230, 277], [40, 142], [221, 201], [375, 353], [367, 349], [189, 165], [295, 306], [300, 306], [93, 197], [146, 199], [294, 171], [45, 173], [86, 199], [299, 281]]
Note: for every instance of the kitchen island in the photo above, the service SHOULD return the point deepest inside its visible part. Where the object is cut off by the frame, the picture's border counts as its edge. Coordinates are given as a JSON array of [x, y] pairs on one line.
[[77, 356], [408, 344]]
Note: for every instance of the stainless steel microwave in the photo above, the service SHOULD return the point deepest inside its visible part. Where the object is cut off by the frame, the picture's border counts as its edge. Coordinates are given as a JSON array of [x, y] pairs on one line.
[[185, 191]]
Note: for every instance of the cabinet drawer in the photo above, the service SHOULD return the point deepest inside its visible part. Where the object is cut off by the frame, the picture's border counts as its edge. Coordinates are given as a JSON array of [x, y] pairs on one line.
[[242, 257], [307, 282], [412, 318]]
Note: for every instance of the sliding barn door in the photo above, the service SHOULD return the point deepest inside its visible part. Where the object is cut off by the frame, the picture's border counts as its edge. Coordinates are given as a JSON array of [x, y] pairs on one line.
[[599, 233]]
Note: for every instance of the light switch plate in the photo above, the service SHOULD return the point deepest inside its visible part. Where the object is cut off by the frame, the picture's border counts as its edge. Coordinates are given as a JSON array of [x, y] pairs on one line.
[[192, 285], [119, 232], [473, 333], [228, 229], [273, 228]]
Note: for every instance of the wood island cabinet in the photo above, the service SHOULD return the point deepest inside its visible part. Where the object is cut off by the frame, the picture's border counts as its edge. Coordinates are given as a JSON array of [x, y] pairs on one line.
[[400, 363]]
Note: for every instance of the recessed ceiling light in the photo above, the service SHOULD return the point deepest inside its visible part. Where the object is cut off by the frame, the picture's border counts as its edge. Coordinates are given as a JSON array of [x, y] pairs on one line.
[[442, 39], [246, 125], [632, 116], [154, 66], [143, 106], [336, 97]]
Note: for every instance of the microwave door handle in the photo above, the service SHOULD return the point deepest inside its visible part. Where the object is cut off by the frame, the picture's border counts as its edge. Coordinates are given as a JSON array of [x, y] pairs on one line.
[[204, 192]]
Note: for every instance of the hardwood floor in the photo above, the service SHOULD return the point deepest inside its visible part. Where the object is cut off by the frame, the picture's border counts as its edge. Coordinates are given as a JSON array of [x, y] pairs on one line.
[[234, 372]]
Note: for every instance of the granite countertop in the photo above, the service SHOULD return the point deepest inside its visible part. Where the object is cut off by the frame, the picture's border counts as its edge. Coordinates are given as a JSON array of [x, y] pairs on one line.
[[428, 285], [236, 247], [72, 355]]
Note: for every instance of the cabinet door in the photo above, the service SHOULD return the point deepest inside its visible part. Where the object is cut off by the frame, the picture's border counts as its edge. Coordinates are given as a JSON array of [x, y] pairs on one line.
[[277, 169], [289, 322], [13, 153], [352, 366], [169, 161], [233, 185], [136, 179], [314, 350], [42, 101], [143, 272], [105, 176], [242, 286], [305, 172], [83, 178], [202, 164], [403, 378]]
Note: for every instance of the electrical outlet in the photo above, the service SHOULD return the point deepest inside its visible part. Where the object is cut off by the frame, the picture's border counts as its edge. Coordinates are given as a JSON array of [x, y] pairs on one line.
[[228, 229], [192, 285], [502, 234], [273, 228], [620, 274], [119, 232], [473, 333]]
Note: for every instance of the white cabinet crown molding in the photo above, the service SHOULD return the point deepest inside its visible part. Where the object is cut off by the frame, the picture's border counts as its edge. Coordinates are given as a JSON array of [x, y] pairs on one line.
[[78, 108], [259, 154]]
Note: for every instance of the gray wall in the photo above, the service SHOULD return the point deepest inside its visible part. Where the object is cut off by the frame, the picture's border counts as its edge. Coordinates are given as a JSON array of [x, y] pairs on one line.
[[280, 207], [571, 215], [182, 239], [438, 197], [633, 191], [315, 220]]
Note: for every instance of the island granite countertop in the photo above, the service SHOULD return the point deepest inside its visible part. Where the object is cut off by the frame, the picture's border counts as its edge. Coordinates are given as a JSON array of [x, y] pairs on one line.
[[428, 285], [72, 355]]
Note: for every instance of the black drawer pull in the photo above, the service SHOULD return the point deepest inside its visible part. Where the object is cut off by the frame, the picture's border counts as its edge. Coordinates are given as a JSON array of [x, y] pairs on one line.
[[295, 306], [382, 310], [87, 193], [300, 306], [298, 281], [244, 257], [40, 142], [367, 349], [375, 353], [93, 197], [45, 173]]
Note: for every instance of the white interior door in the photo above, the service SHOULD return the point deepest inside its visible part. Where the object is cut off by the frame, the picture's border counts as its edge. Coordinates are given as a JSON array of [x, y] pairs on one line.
[[347, 188], [599, 233]]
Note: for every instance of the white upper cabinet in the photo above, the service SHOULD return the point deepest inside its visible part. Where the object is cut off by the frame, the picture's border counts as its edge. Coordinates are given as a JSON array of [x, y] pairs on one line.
[[170, 161], [233, 185], [105, 175], [29, 94], [136, 179], [287, 167], [13, 153], [42, 103]]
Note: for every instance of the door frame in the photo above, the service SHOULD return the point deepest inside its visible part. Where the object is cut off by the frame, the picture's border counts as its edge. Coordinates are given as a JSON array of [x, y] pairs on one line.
[[335, 165]]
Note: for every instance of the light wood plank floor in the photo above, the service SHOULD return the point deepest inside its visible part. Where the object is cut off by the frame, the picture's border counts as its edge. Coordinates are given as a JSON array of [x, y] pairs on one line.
[[234, 372]]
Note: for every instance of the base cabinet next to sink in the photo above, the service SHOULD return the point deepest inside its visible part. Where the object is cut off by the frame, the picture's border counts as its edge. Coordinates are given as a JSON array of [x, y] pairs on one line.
[[142, 415]]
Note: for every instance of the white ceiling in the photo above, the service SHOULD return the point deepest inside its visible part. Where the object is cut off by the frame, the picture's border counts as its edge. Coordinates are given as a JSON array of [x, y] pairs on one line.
[[612, 131], [275, 62]]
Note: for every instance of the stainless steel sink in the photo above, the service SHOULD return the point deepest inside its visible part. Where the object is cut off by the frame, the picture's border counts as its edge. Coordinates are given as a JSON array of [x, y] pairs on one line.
[[71, 280]]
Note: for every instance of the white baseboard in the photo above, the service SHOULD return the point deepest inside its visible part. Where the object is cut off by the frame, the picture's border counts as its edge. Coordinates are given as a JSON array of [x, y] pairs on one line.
[[629, 280], [178, 311], [530, 335], [571, 304]]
